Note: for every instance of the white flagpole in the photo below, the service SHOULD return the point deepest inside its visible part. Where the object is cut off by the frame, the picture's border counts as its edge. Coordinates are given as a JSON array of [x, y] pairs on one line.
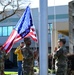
[[43, 37]]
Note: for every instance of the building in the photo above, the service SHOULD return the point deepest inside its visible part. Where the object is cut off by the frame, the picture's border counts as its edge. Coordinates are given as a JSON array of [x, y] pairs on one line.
[[62, 26], [71, 26]]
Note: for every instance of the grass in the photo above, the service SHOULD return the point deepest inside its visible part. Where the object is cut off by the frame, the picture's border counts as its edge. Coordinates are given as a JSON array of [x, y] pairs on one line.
[[36, 69], [9, 73]]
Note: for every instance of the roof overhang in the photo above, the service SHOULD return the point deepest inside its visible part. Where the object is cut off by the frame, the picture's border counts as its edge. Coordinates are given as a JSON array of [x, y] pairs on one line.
[[65, 32]]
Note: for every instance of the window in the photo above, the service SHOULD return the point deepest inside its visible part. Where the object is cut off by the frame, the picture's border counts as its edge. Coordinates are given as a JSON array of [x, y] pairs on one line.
[[10, 28], [4, 31], [0, 31], [49, 27]]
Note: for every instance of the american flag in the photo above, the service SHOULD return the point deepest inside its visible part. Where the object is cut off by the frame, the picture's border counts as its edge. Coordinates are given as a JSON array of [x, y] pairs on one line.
[[24, 28]]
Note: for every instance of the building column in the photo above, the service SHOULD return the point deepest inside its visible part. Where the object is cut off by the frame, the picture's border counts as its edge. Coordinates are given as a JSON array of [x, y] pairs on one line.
[[54, 40]]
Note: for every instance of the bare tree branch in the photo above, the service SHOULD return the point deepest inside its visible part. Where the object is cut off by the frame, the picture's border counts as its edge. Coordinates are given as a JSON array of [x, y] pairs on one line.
[[7, 16], [5, 7], [15, 6]]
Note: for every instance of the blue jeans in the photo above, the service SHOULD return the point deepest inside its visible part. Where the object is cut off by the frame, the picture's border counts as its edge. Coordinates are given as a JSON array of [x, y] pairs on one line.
[[19, 67]]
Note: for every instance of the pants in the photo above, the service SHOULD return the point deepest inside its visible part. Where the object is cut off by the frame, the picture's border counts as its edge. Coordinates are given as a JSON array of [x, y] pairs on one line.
[[61, 73], [27, 67], [62, 70], [19, 67]]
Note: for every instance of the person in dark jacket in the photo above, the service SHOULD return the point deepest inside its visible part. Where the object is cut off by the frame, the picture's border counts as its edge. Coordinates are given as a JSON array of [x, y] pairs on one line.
[[2, 57], [28, 62], [61, 57]]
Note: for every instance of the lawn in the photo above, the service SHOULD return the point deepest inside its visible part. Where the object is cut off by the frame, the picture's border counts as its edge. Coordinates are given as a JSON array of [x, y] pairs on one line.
[[9, 73], [36, 69]]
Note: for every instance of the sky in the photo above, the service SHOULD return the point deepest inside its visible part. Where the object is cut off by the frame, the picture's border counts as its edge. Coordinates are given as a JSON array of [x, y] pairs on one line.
[[35, 3]]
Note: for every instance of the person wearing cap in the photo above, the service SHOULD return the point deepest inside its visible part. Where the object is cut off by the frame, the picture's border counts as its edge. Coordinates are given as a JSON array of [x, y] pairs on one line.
[[28, 62], [61, 57], [19, 57], [2, 57]]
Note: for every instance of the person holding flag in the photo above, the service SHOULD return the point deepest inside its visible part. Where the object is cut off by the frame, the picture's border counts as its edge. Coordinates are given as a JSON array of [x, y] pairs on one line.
[[3, 56], [24, 28]]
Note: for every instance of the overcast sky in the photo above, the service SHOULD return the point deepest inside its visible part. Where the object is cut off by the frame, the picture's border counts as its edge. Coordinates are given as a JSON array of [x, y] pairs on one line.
[[35, 3]]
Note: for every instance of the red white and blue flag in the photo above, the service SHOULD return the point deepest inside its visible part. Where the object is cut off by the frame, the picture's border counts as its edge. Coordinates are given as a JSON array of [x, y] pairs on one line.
[[24, 28]]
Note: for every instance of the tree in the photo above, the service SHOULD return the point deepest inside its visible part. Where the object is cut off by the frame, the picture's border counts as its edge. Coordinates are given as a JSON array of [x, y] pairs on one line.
[[10, 7]]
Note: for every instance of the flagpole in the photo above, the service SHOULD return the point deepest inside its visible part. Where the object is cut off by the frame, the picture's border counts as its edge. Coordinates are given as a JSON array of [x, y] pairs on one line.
[[43, 37]]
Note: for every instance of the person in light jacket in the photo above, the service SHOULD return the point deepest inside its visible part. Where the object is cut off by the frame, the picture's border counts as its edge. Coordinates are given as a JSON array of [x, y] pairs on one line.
[[19, 57]]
